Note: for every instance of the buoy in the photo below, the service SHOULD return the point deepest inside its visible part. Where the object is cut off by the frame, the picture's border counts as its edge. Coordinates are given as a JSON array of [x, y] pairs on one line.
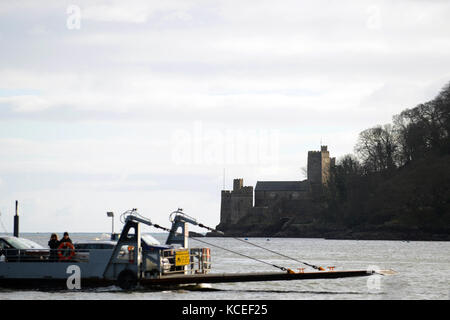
[[66, 251]]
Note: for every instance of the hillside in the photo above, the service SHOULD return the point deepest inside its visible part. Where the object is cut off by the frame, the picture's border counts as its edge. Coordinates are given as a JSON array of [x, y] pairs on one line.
[[396, 186]]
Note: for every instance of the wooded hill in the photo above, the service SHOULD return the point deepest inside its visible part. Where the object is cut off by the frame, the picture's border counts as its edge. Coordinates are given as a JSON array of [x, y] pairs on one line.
[[395, 187]]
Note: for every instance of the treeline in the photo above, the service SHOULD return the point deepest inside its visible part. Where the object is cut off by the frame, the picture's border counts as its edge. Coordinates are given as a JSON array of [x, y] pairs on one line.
[[398, 180]]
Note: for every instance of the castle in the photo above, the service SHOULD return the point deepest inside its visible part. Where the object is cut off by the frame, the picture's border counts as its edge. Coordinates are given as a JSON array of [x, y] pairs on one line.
[[276, 197]]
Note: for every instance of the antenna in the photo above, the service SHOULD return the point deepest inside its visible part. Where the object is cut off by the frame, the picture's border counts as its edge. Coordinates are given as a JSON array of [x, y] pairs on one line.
[[223, 179], [16, 221], [111, 215]]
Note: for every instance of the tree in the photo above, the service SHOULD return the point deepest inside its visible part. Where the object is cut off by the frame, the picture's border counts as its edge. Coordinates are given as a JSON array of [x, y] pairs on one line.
[[348, 165], [377, 148], [425, 128], [346, 171]]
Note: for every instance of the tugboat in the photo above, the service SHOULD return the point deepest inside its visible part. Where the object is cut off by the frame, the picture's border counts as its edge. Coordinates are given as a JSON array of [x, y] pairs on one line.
[[132, 260]]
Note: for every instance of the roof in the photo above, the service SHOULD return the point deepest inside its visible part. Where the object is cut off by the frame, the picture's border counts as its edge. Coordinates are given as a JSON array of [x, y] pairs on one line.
[[281, 186]]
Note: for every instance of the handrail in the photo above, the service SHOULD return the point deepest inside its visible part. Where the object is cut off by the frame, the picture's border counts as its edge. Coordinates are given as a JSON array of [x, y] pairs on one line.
[[43, 255], [198, 263]]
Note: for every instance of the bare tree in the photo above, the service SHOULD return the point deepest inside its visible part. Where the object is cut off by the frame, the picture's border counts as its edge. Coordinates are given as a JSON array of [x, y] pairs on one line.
[[425, 128], [377, 148]]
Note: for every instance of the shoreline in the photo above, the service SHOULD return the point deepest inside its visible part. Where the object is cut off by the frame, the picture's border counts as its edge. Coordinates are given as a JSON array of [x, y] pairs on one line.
[[346, 235]]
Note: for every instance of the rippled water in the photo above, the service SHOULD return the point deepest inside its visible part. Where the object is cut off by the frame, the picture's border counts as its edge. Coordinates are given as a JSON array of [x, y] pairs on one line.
[[423, 271]]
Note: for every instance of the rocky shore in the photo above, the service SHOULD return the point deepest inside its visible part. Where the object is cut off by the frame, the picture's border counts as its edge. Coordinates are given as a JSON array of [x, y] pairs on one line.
[[330, 232]]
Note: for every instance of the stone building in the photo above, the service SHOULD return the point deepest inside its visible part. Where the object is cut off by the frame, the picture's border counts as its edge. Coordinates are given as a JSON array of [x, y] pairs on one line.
[[269, 192], [274, 196], [236, 203], [319, 164]]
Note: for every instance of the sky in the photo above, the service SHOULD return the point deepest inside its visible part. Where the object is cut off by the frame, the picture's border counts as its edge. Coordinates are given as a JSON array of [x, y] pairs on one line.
[[159, 105]]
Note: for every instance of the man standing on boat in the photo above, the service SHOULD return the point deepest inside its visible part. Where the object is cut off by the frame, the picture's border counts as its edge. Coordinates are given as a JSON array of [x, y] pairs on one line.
[[65, 238], [66, 249]]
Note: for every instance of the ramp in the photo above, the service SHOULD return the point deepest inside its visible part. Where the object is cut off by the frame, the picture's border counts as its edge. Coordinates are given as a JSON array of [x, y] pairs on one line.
[[254, 276]]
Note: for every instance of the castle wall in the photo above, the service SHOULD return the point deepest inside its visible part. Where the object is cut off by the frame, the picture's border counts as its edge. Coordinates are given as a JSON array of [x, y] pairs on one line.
[[268, 198], [319, 163], [237, 203], [314, 167], [241, 203], [225, 207]]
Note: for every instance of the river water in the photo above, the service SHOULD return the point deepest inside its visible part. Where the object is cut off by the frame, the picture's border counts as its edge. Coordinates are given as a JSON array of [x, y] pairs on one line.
[[423, 271]]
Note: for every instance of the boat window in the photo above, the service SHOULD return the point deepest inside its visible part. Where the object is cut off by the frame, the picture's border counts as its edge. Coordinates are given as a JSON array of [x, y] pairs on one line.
[[4, 245], [87, 246], [20, 243], [81, 246], [107, 246], [32, 244]]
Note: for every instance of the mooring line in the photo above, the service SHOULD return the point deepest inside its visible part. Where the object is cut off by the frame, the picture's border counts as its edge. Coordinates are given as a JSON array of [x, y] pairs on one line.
[[261, 247], [241, 254], [280, 254], [213, 245]]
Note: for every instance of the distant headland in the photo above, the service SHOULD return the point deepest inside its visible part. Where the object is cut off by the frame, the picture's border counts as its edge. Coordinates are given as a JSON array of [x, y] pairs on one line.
[[396, 187]]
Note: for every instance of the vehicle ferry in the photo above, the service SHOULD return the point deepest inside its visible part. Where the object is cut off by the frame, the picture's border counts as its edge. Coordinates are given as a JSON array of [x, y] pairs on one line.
[[134, 259]]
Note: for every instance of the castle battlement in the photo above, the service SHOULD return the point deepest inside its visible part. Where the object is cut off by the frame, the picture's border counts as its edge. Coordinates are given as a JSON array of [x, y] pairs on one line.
[[226, 193], [243, 190], [247, 189]]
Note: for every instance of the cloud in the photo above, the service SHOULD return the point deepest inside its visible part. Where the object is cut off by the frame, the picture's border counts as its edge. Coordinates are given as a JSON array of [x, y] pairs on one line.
[[25, 103], [140, 12], [89, 116]]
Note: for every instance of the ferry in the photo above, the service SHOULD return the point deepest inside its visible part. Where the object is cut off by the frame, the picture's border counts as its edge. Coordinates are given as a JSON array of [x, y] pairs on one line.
[[131, 261]]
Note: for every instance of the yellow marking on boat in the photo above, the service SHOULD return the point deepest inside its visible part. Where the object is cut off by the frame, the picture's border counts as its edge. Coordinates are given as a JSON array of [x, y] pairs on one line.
[[182, 258]]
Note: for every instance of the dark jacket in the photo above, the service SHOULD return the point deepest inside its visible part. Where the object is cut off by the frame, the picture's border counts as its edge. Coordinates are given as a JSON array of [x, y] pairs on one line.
[[53, 243], [65, 240]]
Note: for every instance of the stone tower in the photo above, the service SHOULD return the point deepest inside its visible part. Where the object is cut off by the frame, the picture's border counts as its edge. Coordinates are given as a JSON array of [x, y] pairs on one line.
[[319, 164], [236, 203]]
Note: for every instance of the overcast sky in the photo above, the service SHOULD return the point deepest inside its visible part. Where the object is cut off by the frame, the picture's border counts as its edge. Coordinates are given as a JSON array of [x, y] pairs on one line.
[[113, 105]]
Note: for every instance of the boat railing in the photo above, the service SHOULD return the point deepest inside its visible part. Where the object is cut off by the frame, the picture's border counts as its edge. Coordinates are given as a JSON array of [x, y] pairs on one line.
[[187, 261], [45, 255], [173, 261]]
